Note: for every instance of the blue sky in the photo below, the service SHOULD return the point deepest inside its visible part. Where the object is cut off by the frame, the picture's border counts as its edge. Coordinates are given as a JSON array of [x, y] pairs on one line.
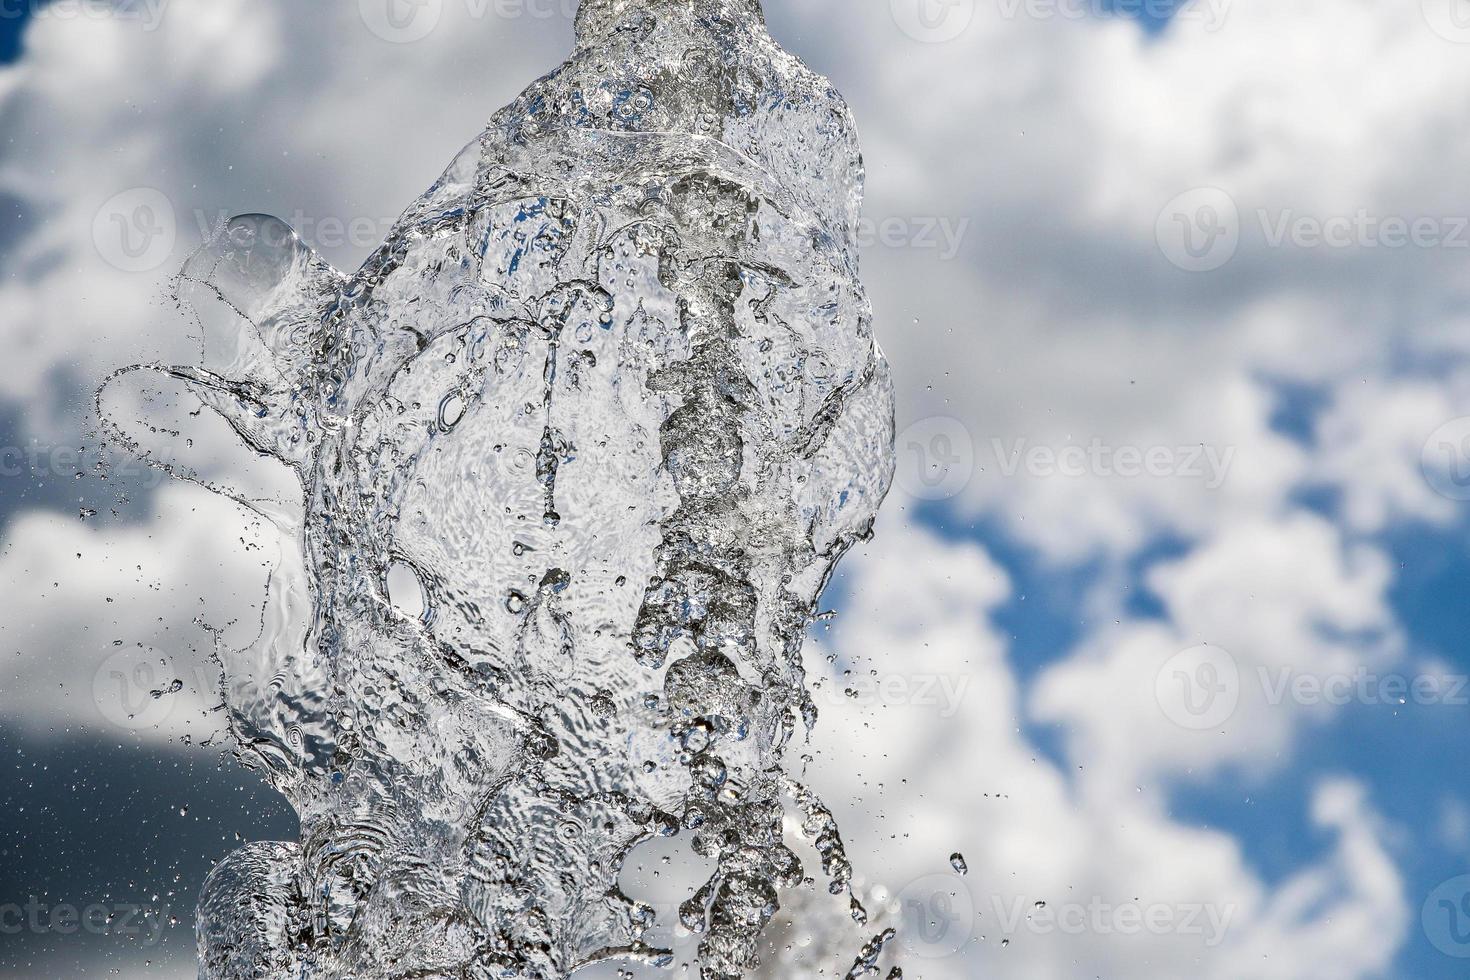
[[1412, 757], [11, 29]]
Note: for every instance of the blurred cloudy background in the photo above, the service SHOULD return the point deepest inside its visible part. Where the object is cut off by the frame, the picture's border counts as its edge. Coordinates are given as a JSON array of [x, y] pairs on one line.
[[1164, 625]]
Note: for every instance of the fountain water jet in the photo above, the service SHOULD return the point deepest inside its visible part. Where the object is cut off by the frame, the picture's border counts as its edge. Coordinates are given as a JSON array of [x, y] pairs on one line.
[[579, 446]]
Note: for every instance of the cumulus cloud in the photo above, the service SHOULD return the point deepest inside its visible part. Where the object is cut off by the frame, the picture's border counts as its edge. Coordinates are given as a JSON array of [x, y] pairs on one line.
[[218, 109], [1099, 399], [1063, 320], [1397, 449], [104, 628], [1216, 679], [1125, 888]]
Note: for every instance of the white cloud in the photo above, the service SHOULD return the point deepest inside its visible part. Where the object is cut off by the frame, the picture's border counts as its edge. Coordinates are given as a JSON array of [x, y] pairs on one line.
[[1060, 323], [1058, 139], [1276, 602], [227, 106], [95, 619], [1063, 321], [1397, 450], [1095, 852]]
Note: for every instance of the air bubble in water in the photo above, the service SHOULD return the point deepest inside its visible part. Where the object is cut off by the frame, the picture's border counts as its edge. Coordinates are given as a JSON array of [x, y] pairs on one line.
[[406, 590]]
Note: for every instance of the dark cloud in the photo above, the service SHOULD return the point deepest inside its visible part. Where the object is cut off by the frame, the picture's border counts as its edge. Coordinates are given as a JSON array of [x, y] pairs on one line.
[[87, 822]]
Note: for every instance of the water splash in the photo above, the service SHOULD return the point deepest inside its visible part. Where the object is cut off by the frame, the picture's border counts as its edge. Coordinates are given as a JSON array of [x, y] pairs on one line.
[[578, 448]]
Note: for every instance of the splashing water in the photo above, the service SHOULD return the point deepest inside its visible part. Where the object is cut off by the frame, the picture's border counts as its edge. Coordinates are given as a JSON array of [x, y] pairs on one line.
[[579, 447]]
